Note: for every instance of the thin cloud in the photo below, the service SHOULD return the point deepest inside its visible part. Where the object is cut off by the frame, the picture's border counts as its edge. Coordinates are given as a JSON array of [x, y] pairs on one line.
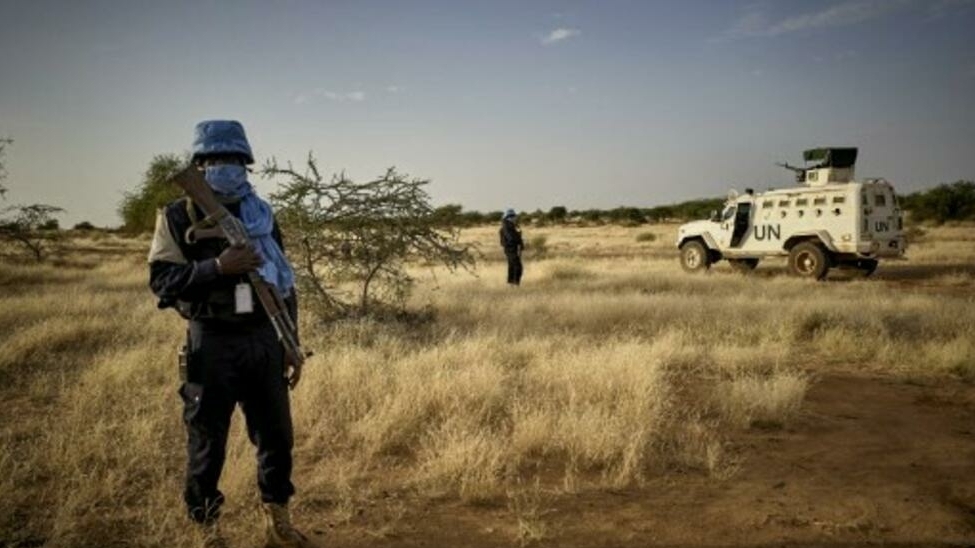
[[756, 23], [341, 96], [321, 93], [393, 89], [752, 23], [559, 35]]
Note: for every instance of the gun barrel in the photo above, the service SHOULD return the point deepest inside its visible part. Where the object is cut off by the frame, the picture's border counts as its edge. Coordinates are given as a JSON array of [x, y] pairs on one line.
[[790, 168]]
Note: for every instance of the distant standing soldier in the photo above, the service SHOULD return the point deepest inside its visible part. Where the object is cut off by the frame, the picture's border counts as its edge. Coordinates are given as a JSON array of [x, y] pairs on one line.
[[513, 245], [232, 354]]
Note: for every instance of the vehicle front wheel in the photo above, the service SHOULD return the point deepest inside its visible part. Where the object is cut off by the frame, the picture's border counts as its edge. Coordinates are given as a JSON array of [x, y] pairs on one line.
[[809, 260], [694, 257], [867, 266], [743, 265]]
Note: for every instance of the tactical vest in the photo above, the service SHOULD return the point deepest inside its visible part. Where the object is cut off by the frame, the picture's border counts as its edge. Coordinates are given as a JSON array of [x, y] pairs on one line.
[[200, 240]]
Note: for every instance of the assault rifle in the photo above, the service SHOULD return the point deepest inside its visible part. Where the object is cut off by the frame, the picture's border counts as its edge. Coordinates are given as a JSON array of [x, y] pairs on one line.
[[192, 182]]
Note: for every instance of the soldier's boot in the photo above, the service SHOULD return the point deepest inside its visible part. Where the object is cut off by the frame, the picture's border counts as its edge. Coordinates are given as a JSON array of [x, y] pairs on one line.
[[210, 536], [280, 532]]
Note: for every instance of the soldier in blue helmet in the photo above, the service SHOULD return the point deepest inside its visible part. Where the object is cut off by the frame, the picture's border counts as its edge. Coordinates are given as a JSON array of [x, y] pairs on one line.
[[232, 354], [513, 245]]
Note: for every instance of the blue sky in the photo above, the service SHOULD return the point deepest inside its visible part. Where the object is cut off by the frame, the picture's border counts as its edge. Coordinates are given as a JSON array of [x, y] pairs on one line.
[[502, 104]]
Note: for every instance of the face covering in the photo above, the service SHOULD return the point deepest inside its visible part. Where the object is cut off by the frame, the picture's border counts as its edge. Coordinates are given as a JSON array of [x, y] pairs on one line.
[[228, 179]]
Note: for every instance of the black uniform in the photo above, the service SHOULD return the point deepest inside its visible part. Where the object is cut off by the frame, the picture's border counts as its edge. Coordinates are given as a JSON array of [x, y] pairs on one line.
[[232, 358], [513, 245]]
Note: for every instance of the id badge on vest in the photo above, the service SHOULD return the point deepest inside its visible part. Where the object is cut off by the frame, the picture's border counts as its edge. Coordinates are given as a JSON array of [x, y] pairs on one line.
[[243, 299]]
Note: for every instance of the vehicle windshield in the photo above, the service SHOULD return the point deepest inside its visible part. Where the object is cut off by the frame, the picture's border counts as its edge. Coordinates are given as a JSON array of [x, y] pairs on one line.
[[728, 213]]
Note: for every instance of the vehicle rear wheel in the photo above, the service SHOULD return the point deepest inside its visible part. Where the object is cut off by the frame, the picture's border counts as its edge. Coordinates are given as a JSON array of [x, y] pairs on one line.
[[743, 265], [809, 260], [694, 257]]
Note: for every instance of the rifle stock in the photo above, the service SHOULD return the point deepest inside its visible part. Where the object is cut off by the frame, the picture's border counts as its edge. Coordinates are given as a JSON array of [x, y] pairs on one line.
[[193, 183]]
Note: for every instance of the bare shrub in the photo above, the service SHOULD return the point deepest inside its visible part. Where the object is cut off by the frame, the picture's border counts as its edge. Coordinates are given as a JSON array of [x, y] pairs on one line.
[[28, 231], [364, 233]]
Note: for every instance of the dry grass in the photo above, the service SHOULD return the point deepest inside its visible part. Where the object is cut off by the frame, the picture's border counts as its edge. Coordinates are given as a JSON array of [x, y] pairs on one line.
[[608, 366], [762, 401]]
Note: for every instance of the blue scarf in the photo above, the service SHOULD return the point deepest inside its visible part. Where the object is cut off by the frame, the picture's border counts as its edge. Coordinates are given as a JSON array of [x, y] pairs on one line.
[[258, 220]]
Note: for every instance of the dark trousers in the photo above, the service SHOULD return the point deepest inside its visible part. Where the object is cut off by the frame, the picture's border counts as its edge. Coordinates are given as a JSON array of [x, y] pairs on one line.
[[514, 267], [226, 367]]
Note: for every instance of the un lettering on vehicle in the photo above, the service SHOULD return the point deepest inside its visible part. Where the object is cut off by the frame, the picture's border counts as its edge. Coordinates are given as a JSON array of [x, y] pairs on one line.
[[768, 232], [881, 226]]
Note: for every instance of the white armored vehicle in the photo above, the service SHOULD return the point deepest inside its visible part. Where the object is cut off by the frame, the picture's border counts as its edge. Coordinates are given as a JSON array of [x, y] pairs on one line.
[[830, 220]]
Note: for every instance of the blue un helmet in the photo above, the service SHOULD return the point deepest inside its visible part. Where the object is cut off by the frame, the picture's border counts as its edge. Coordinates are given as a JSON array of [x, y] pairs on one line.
[[221, 137], [509, 214]]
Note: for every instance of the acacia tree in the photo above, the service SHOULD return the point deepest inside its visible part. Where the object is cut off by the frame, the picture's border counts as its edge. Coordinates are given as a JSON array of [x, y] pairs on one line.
[[339, 231], [31, 228]]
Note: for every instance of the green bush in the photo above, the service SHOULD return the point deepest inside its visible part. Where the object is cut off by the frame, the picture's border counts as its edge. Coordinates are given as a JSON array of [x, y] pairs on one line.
[[138, 208], [945, 202]]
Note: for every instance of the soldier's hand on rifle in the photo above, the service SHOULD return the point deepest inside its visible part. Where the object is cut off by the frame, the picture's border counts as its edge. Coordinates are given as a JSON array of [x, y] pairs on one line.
[[292, 369], [238, 260]]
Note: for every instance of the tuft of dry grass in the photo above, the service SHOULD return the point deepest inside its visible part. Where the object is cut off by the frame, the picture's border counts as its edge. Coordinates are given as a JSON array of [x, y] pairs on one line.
[[526, 506], [762, 401]]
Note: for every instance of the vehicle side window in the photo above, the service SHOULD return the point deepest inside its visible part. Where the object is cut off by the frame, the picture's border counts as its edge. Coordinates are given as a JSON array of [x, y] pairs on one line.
[[802, 202]]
